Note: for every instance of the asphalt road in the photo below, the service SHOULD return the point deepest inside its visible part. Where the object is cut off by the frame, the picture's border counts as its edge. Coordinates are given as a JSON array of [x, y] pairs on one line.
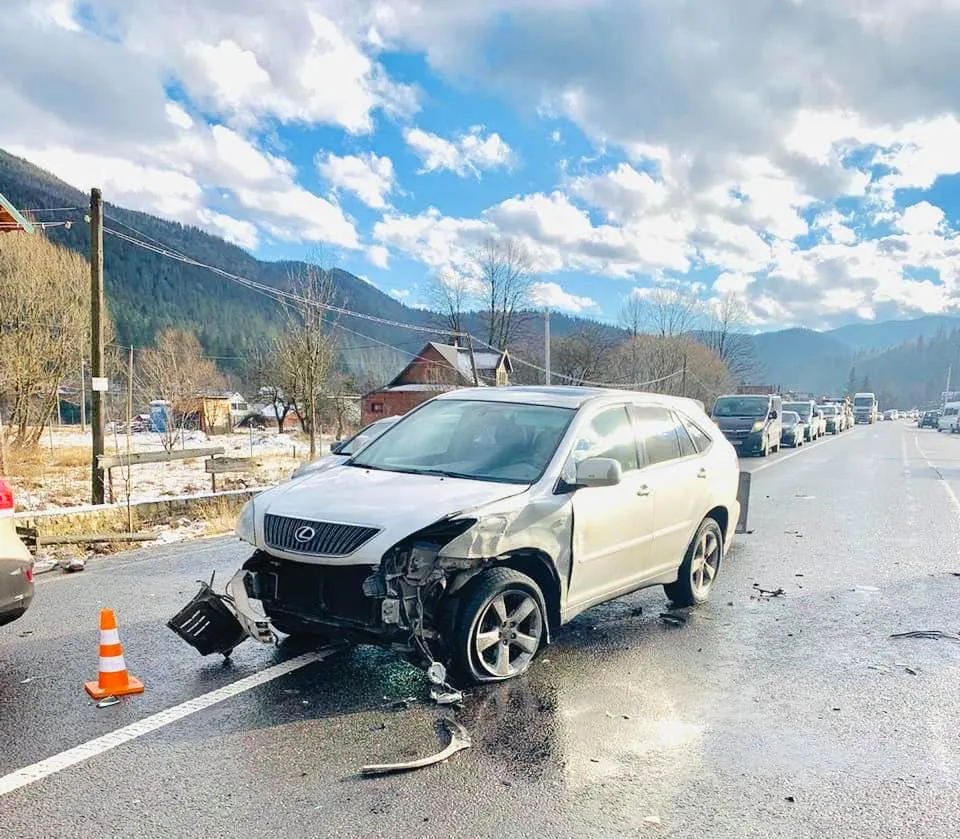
[[788, 716]]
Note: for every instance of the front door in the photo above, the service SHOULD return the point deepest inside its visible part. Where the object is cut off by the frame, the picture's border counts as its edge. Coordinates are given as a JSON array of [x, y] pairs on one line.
[[612, 526], [678, 477]]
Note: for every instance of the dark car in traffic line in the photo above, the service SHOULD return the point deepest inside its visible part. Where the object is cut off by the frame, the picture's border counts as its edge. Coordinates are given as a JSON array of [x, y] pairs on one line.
[[794, 429], [807, 411], [929, 419], [750, 422]]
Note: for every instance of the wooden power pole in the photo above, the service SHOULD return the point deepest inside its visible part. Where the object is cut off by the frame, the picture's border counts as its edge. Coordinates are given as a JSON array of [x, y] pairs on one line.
[[98, 414]]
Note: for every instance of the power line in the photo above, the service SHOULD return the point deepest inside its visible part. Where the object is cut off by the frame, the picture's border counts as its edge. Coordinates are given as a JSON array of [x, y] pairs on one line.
[[269, 290]]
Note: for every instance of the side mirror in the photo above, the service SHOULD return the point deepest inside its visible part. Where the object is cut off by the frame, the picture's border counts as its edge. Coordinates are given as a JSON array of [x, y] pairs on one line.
[[335, 447], [599, 472]]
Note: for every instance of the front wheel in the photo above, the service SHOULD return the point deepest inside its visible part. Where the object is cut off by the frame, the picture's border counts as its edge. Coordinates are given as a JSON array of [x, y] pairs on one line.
[[500, 627], [699, 568]]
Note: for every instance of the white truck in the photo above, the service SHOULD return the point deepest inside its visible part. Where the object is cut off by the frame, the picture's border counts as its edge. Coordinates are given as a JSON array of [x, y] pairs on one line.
[[865, 408]]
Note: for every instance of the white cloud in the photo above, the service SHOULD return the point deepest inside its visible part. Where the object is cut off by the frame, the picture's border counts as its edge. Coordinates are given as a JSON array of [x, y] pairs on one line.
[[552, 295], [378, 256], [921, 218], [368, 176], [400, 294], [467, 154], [241, 233]]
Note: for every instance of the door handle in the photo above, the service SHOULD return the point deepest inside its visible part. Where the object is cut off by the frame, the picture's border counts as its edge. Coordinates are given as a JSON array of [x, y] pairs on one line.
[[644, 490], [702, 473]]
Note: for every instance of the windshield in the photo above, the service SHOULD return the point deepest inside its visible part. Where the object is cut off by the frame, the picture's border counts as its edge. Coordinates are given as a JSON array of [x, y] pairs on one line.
[[790, 418], [370, 433], [863, 402], [801, 408], [829, 410], [741, 406], [460, 438]]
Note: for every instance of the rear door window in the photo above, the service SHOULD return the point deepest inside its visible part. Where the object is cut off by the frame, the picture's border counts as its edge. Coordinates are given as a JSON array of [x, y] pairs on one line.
[[658, 433]]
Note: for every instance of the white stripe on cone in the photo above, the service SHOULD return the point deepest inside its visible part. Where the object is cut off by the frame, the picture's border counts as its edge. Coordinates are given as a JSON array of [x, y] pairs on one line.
[[109, 636], [112, 664]]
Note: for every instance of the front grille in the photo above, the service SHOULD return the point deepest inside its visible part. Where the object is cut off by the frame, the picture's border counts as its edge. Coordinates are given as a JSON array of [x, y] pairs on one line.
[[321, 538]]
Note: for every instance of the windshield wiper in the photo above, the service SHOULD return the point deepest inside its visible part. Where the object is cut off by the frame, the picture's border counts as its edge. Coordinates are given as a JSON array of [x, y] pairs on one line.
[[441, 473]]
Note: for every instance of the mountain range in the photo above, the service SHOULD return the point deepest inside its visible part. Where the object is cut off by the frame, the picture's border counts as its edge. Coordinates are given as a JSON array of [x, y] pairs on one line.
[[147, 291]]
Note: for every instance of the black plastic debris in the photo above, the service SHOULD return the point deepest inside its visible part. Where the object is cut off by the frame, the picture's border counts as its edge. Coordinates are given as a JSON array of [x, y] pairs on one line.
[[673, 618], [928, 633]]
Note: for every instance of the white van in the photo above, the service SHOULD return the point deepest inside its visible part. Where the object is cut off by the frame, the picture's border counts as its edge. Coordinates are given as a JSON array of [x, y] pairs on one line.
[[949, 417]]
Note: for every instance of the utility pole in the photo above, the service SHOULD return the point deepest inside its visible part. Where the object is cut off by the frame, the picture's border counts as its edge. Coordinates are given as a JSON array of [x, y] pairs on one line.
[[127, 475], [97, 420], [949, 374], [683, 377], [546, 345], [473, 361]]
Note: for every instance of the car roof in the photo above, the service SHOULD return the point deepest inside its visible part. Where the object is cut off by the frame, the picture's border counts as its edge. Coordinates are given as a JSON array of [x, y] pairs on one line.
[[567, 396]]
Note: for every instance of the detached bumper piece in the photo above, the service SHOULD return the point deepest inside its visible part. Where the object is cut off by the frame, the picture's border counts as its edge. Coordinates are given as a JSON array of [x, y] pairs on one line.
[[208, 623]]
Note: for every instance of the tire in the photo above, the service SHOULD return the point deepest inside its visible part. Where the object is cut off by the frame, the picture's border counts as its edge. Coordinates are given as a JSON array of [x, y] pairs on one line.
[[686, 591], [765, 450], [482, 627]]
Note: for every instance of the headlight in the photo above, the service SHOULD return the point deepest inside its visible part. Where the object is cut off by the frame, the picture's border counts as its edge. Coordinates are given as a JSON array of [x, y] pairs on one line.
[[758, 425], [245, 528]]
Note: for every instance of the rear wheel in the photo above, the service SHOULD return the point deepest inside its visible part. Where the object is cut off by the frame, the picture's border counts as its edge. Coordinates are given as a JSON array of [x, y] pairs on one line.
[[500, 626], [699, 568]]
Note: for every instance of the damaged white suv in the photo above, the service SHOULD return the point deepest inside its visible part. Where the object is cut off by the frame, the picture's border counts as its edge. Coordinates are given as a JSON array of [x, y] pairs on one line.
[[487, 518]]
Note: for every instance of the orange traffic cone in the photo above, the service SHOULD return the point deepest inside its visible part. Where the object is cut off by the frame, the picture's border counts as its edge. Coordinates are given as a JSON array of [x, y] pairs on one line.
[[114, 680]]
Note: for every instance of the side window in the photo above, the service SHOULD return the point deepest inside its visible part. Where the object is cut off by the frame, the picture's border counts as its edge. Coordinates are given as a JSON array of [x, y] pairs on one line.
[[687, 447], [700, 439], [658, 431], [609, 434]]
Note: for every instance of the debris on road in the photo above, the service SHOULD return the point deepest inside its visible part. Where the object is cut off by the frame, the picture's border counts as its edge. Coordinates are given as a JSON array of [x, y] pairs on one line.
[[767, 592], [446, 696], [73, 564], [459, 740], [928, 633], [108, 701], [653, 818], [673, 618], [400, 704]]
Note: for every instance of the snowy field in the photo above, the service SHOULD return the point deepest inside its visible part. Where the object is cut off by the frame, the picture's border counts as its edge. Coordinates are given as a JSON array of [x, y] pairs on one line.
[[57, 474]]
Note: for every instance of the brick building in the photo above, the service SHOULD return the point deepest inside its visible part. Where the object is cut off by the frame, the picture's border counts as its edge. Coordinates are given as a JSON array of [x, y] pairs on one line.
[[435, 369]]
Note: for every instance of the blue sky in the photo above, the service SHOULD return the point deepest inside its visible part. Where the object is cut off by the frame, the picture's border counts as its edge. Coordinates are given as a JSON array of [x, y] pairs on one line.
[[814, 180]]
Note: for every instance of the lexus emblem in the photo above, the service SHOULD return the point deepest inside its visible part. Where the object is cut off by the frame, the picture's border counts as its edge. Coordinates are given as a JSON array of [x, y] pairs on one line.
[[304, 534]]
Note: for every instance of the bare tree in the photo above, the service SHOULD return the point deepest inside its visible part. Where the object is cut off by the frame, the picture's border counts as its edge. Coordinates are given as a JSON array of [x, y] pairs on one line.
[[503, 267], [452, 295], [263, 372], [584, 356], [44, 301], [176, 371], [308, 349], [724, 335]]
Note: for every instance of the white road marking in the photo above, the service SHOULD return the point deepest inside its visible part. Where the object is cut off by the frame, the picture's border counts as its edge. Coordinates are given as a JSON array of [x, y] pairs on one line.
[[943, 481], [802, 450], [52, 765]]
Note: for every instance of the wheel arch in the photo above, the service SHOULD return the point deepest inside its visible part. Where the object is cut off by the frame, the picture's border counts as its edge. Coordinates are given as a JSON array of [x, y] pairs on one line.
[[721, 515]]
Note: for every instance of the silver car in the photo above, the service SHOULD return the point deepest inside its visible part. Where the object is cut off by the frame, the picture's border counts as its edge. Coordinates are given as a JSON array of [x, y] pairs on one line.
[[342, 451], [471, 531]]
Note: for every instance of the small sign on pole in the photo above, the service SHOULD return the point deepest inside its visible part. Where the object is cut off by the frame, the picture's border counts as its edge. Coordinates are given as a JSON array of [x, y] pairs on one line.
[[100, 384]]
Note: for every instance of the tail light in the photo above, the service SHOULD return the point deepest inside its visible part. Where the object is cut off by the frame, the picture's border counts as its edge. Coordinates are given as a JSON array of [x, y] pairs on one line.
[[28, 574], [6, 498]]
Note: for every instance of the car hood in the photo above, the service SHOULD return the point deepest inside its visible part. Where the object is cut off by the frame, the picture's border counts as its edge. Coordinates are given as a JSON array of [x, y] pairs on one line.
[[396, 503], [321, 464], [735, 423]]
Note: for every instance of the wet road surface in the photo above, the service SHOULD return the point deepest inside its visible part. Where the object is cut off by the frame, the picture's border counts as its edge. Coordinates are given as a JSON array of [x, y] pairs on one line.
[[788, 716]]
